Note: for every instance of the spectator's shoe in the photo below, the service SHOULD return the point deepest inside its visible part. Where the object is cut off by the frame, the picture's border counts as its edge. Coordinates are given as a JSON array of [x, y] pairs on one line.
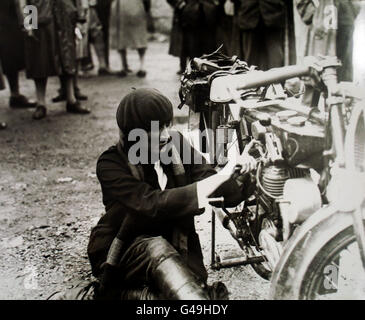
[[62, 97], [3, 125], [79, 96], [141, 74], [21, 102], [40, 112], [87, 67], [122, 74], [105, 72], [85, 74], [76, 108]]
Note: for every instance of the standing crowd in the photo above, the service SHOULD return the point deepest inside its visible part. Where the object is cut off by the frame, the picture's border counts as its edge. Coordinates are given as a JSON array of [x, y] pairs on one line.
[[260, 32], [253, 30], [60, 45]]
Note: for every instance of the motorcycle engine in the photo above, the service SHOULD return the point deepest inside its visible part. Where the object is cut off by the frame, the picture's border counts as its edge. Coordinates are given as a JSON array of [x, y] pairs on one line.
[[273, 179]]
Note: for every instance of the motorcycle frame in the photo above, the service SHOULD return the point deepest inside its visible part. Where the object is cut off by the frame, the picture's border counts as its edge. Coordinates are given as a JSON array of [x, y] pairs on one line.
[[334, 125]]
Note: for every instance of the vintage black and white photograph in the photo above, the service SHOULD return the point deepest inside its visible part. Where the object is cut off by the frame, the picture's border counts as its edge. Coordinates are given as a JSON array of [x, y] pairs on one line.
[[195, 150]]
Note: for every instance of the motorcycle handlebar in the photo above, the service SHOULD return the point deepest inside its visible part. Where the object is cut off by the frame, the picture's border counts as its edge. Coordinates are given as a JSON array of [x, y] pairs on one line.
[[264, 78]]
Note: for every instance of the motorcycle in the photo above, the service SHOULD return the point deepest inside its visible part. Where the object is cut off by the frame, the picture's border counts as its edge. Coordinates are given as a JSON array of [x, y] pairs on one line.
[[303, 229]]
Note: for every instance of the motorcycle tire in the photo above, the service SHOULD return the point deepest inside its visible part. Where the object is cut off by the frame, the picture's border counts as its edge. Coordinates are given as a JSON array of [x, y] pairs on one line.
[[303, 275]]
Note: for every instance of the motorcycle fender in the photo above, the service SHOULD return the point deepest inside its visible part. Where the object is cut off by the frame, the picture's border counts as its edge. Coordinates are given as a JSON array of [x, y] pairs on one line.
[[302, 247]]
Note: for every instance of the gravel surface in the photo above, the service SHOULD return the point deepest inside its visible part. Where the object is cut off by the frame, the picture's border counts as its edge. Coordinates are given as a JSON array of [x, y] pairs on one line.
[[49, 194]]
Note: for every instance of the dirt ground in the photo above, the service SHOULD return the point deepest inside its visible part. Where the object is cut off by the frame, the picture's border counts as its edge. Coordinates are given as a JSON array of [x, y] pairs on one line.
[[49, 194]]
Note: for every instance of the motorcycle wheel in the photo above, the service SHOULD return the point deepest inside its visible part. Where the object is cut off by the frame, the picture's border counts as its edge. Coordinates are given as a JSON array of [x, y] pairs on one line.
[[322, 284], [322, 269]]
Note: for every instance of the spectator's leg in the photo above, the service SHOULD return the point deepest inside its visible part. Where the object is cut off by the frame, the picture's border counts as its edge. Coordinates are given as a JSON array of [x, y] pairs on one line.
[[13, 80], [97, 35], [73, 105], [104, 17], [79, 96], [41, 87], [87, 63], [100, 51], [17, 100], [123, 56], [70, 89], [141, 53], [61, 90], [183, 62]]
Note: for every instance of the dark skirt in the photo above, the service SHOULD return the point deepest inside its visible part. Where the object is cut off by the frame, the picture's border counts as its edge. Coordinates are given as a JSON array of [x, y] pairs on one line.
[[11, 39], [42, 57], [199, 41], [236, 42], [176, 38], [11, 48], [224, 33], [53, 50], [192, 42]]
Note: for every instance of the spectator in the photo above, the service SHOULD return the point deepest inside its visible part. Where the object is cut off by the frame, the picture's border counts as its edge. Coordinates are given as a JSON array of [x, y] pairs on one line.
[[81, 52], [103, 9], [260, 34], [236, 44], [12, 52], [93, 34], [334, 39], [132, 32], [176, 39], [225, 25], [97, 38], [196, 22], [50, 51]]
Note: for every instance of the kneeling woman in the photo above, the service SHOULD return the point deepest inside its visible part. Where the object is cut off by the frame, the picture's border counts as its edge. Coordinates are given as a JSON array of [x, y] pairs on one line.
[[146, 245]]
